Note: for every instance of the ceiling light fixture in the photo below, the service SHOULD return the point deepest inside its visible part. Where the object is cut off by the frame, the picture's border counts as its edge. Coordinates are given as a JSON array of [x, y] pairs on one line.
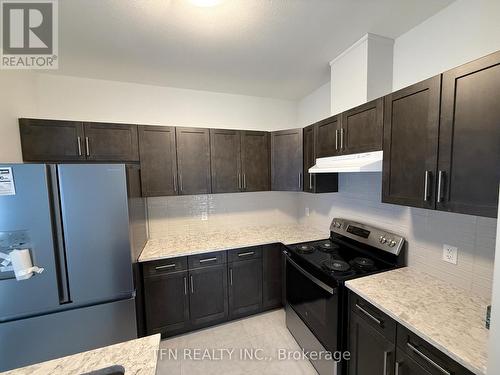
[[205, 3]]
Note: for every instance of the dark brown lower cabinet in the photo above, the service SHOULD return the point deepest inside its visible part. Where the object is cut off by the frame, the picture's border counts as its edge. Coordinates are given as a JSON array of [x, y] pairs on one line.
[[161, 314], [407, 366], [245, 287], [208, 295], [272, 276]]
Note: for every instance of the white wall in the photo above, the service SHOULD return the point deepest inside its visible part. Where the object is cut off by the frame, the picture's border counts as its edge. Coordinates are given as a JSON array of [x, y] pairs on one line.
[[314, 107], [62, 97]]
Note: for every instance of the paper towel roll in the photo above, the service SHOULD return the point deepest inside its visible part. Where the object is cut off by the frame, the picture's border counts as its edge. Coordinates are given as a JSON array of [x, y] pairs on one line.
[[22, 264]]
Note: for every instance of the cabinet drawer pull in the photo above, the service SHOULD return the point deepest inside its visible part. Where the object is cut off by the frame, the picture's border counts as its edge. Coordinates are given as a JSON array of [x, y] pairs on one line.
[[310, 181], [208, 260], [230, 276], [239, 181], [79, 146], [175, 183], [426, 186], [440, 186], [185, 286], [336, 139], [300, 180], [430, 361], [244, 181], [396, 368], [165, 266], [192, 284], [246, 254], [386, 357], [378, 321], [87, 147], [180, 182], [342, 138]]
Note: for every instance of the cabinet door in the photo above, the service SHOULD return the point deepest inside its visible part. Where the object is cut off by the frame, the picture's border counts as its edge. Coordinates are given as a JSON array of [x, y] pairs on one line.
[[256, 166], [286, 160], [411, 125], [469, 139], [271, 276], [309, 158], [162, 314], [208, 295], [158, 160], [327, 137], [51, 140], [193, 160], [361, 128], [225, 161], [407, 366], [371, 352], [245, 287], [111, 142]]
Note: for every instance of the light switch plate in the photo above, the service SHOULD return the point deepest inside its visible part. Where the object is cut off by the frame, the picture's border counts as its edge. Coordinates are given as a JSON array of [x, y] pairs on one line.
[[450, 254]]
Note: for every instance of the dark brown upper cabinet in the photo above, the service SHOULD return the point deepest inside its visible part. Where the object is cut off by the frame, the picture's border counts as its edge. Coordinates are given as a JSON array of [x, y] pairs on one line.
[[411, 125], [111, 142], [158, 160], [361, 128], [326, 137], [469, 139], [193, 160], [255, 161], [320, 182], [225, 160], [286, 160], [51, 140]]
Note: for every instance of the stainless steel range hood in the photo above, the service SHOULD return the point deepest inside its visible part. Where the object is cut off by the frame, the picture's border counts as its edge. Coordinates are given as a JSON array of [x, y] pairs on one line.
[[364, 162]]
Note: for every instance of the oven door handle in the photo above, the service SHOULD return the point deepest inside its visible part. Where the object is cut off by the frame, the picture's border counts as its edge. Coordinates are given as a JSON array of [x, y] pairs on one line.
[[315, 280]]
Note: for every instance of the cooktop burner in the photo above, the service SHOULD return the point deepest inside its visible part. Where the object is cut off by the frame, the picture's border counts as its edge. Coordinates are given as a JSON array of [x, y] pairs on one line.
[[305, 249], [336, 265], [365, 264], [326, 246]]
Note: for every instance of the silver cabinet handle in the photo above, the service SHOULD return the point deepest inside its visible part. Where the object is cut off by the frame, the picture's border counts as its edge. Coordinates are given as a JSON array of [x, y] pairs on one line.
[[208, 260], [180, 182], [300, 180], [230, 276], [175, 183], [342, 138], [185, 286], [336, 139], [386, 356], [246, 254], [165, 266], [239, 181], [192, 284], [430, 361], [310, 181], [244, 181], [87, 147], [440, 185], [396, 368], [378, 321], [79, 146], [426, 186]]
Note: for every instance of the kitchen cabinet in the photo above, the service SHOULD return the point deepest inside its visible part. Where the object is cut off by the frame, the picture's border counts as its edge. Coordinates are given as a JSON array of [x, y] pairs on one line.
[[245, 287], [286, 160], [225, 161], [407, 366], [51, 140], [272, 277], [193, 160], [208, 295], [319, 182], [411, 125], [326, 138], [111, 142], [469, 139], [158, 156], [255, 161], [163, 316], [59, 141], [361, 128]]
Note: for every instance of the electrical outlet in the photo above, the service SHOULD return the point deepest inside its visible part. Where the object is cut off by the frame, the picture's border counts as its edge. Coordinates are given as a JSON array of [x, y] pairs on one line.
[[307, 211], [204, 216], [450, 254]]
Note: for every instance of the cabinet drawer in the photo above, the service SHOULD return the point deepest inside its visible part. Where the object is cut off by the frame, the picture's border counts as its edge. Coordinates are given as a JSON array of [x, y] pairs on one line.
[[159, 267], [426, 355], [206, 259], [246, 253], [376, 318]]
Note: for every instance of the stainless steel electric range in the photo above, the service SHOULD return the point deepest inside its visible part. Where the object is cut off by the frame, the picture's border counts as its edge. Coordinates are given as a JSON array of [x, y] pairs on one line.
[[316, 309]]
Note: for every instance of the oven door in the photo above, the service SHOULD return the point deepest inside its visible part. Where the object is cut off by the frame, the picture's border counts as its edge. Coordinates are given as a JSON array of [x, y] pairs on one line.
[[315, 302]]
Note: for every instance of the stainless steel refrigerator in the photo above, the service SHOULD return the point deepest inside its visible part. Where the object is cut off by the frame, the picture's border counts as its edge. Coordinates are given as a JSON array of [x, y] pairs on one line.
[[74, 220]]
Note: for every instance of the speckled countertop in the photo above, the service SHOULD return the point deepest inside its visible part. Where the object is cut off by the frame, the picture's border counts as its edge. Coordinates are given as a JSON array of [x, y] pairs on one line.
[[224, 239], [448, 318], [138, 357]]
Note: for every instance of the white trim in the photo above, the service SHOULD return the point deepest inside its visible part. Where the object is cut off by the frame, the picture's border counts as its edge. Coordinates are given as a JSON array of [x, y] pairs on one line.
[[364, 38], [363, 162]]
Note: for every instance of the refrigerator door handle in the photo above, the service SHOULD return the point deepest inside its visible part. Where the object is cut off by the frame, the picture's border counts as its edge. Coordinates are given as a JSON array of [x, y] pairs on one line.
[[59, 247]]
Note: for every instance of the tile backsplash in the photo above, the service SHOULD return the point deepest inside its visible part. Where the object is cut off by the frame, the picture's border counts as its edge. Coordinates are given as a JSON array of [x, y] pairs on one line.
[[359, 198]]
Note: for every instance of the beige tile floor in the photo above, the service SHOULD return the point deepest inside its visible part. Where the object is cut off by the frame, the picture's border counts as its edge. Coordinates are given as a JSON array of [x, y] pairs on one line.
[[220, 349]]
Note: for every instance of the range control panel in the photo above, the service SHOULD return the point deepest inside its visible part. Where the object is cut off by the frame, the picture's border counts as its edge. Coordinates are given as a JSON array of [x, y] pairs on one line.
[[376, 237]]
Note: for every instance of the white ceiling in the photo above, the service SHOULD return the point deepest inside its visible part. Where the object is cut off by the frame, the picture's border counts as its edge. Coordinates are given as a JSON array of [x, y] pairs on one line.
[[271, 48]]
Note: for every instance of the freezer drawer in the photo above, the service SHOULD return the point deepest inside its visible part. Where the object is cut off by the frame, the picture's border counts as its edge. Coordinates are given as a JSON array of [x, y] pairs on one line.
[[46, 337]]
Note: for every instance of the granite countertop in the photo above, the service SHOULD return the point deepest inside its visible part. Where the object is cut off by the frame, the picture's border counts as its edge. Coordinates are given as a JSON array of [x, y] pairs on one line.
[[137, 356], [447, 317], [224, 239]]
